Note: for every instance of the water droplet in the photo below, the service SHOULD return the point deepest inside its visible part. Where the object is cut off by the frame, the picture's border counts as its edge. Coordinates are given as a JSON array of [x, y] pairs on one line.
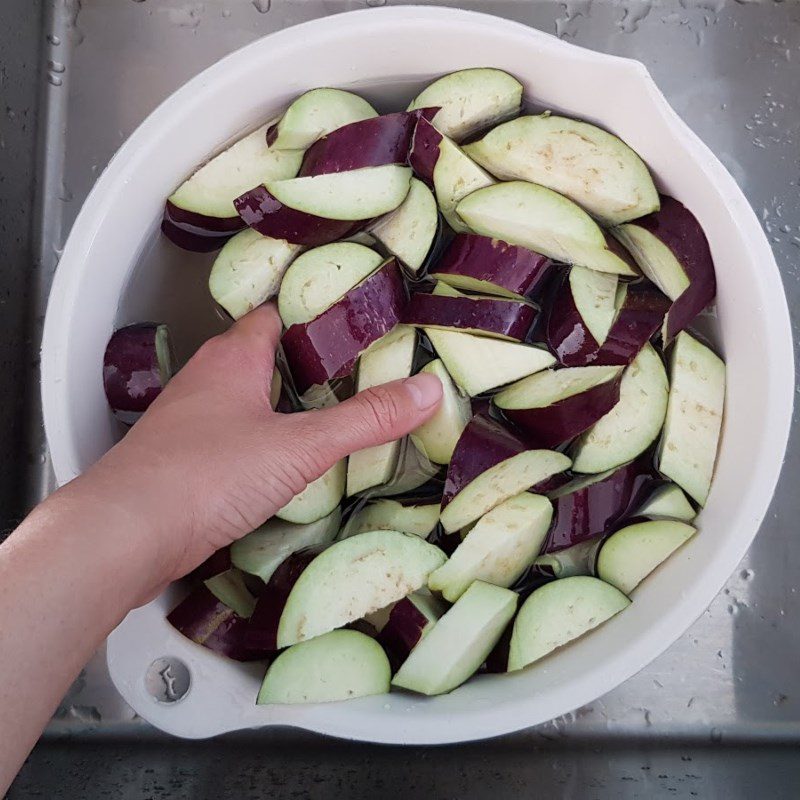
[[186, 16], [138, 1], [716, 735], [54, 79], [573, 11], [747, 574], [53, 39], [65, 195], [226, 12], [73, 10], [56, 66], [779, 699], [632, 14], [262, 6], [10, 113], [376, 3]]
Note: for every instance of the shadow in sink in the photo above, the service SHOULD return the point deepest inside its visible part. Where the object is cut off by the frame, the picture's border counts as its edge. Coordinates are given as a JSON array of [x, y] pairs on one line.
[[20, 46]]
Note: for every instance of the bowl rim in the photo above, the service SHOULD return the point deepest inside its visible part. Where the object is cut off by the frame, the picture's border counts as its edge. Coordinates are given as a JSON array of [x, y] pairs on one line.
[[486, 721]]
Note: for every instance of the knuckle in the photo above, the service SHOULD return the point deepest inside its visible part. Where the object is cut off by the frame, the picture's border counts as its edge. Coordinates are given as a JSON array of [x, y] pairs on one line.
[[381, 407]]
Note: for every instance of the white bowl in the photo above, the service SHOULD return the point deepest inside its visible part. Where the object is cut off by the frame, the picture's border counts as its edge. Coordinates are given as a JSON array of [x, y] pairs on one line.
[[381, 49]]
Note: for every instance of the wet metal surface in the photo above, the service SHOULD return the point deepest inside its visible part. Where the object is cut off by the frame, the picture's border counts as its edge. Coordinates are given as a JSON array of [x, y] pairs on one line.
[[718, 714]]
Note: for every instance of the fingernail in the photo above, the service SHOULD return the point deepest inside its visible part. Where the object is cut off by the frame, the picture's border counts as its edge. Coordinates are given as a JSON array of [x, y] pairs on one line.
[[425, 389]]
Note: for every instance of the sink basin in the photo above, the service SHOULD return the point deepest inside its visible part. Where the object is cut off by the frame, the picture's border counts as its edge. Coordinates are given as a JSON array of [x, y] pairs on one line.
[[718, 713]]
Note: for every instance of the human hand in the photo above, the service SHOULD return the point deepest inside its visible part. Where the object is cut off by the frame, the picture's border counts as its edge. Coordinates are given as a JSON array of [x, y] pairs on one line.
[[210, 461]]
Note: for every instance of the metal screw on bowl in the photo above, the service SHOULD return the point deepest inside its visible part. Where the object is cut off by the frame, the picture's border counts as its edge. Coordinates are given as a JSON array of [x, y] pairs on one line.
[[168, 679]]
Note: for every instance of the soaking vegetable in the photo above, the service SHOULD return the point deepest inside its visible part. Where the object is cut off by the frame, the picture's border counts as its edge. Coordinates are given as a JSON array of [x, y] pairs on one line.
[[530, 263]]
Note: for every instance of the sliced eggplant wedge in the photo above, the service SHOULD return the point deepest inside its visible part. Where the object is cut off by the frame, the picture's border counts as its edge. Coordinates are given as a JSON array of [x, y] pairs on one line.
[[592, 167], [542, 220], [318, 499], [340, 665], [315, 114], [671, 249], [389, 359], [633, 424], [469, 100], [437, 438], [554, 406], [688, 448], [352, 578], [442, 164], [558, 613], [459, 642], [480, 363], [249, 270], [498, 549], [320, 277], [628, 556], [409, 232], [385, 514]]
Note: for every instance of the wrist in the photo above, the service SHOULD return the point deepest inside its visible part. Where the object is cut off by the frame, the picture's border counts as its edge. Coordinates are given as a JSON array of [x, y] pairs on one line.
[[116, 536]]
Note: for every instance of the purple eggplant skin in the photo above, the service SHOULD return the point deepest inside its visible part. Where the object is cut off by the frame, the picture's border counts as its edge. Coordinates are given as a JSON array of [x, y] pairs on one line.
[[551, 484], [508, 318], [217, 563], [402, 632], [515, 269], [328, 346], [205, 620], [639, 319], [132, 375], [568, 338], [680, 231], [482, 444], [424, 151], [372, 142], [595, 509], [481, 405], [198, 233], [262, 628], [262, 212], [556, 424]]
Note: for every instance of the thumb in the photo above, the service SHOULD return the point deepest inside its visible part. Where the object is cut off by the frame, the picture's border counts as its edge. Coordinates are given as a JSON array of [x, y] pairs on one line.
[[374, 416]]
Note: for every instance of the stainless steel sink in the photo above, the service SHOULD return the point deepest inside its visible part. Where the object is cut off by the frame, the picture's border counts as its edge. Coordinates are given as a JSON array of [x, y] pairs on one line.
[[718, 715]]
